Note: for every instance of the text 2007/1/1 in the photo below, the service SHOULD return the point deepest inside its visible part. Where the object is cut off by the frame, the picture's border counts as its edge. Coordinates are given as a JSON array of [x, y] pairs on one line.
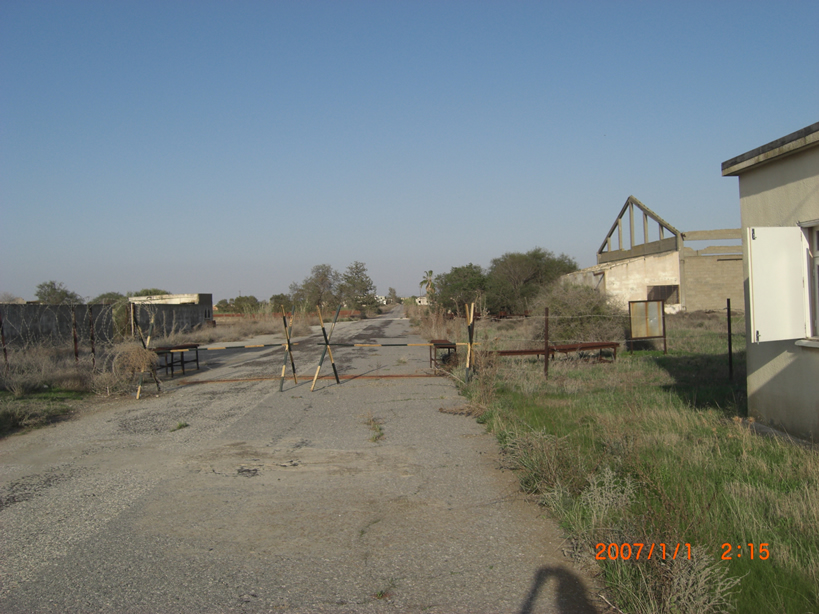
[[627, 551]]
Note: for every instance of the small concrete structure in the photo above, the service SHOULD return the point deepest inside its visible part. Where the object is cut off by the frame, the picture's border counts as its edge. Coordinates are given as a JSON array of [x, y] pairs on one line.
[[171, 312], [656, 264], [779, 205]]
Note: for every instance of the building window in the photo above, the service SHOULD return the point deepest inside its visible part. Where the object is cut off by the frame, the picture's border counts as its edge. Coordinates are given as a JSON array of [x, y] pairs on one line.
[[669, 294]]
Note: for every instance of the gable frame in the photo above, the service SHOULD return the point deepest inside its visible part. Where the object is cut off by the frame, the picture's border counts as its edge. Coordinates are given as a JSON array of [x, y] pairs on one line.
[[607, 254]]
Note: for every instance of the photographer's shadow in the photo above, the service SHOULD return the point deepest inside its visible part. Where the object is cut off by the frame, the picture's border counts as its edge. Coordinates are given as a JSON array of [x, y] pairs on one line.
[[571, 595]]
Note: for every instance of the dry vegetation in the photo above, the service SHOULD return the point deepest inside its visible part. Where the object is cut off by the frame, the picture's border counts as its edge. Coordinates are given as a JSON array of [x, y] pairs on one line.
[[43, 382], [649, 449]]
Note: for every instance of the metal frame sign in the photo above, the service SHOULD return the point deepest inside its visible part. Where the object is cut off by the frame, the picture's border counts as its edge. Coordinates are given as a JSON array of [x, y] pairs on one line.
[[647, 321]]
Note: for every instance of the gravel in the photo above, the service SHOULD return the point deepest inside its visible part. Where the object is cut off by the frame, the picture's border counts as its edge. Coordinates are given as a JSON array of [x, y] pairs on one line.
[[278, 501]]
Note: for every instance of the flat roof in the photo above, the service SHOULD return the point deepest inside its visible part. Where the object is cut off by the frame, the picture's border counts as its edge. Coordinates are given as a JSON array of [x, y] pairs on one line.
[[787, 145]]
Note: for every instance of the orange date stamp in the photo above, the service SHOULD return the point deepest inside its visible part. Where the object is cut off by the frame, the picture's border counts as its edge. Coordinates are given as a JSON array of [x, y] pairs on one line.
[[642, 551], [760, 550]]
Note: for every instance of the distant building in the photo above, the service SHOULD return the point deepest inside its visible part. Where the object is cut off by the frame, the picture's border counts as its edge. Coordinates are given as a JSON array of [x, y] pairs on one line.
[[170, 312], [644, 257], [421, 300], [779, 205]]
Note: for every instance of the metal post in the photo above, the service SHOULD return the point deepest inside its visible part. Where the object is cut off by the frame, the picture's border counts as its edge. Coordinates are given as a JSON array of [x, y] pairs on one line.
[[730, 346], [74, 333], [546, 342], [665, 335], [3, 339], [91, 333]]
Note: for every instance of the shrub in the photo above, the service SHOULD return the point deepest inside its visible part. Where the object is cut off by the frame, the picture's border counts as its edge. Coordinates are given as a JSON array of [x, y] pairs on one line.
[[578, 313]]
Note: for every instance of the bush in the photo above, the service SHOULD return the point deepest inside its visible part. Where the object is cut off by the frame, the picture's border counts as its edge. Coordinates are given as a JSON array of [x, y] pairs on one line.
[[577, 313]]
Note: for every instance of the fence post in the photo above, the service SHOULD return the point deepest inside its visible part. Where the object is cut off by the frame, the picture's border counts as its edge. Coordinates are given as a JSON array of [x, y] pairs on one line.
[[3, 339], [74, 333], [546, 342], [470, 323], [730, 346], [91, 333]]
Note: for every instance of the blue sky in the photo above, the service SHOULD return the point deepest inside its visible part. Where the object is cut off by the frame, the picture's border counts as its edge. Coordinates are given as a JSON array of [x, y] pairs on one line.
[[227, 147]]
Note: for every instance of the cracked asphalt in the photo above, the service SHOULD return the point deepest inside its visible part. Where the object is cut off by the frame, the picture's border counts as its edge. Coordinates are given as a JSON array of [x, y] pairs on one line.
[[275, 501]]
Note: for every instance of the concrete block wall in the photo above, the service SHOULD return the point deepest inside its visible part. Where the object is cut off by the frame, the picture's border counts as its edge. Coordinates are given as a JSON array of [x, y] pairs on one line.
[[170, 319], [32, 324], [709, 280]]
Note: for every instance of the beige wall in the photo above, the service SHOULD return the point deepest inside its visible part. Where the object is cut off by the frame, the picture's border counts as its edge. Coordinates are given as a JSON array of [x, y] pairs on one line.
[[709, 280], [628, 280], [783, 378]]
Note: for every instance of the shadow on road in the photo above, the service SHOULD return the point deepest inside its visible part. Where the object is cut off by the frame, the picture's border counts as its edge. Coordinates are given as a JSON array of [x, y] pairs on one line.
[[571, 595]]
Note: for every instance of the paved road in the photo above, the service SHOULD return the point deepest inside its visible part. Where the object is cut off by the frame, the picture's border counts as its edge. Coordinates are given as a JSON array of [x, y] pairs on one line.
[[277, 501]]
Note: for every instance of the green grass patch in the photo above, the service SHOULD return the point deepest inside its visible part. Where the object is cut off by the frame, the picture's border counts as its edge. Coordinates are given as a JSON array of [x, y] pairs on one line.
[[654, 449], [35, 409]]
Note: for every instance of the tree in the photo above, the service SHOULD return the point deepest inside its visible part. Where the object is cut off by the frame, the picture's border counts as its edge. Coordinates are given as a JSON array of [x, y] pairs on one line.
[[320, 288], [277, 301], [149, 292], [392, 296], [8, 297], [223, 305], [463, 284], [108, 298], [357, 290], [428, 284], [245, 304], [515, 278], [55, 293]]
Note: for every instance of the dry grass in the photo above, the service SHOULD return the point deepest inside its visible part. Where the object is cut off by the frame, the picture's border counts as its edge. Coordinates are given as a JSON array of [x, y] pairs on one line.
[[434, 324], [653, 448], [376, 425]]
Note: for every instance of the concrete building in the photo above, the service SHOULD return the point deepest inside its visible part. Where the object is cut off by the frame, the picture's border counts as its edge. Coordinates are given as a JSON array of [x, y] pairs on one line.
[[171, 312], [779, 205], [645, 257]]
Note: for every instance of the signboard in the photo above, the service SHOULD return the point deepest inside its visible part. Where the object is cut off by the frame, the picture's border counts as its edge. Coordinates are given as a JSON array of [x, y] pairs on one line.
[[647, 319]]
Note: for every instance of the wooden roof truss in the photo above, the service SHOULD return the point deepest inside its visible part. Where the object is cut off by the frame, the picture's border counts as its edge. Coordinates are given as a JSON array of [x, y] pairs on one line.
[[638, 244]]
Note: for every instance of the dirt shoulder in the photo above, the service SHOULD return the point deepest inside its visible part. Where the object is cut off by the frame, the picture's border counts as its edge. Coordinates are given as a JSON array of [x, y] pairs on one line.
[[278, 501]]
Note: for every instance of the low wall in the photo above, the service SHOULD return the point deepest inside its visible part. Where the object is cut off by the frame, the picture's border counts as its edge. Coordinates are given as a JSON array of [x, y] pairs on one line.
[[54, 324], [169, 319], [32, 324]]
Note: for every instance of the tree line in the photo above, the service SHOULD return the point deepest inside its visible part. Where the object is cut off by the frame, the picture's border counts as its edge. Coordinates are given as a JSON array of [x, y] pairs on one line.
[[56, 293], [323, 286], [509, 285]]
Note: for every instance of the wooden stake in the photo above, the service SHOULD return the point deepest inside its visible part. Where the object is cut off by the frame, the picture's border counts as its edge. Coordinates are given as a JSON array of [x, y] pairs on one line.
[[327, 348], [287, 350], [146, 344], [470, 327]]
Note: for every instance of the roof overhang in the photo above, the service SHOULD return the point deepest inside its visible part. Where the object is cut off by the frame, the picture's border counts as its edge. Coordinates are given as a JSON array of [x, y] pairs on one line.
[[786, 146]]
